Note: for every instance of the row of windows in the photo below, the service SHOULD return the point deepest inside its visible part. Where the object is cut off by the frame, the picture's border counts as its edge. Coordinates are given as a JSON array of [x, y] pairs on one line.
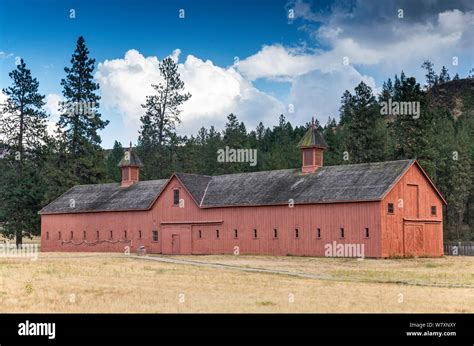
[[154, 235], [275, 233], [390, 209]]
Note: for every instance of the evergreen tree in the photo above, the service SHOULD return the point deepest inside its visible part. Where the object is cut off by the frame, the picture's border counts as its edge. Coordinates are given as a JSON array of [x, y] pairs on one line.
[[366, 130], [113, 159], [80, 120], [23, 133], [431, 77], [162, 114], [444, 75]]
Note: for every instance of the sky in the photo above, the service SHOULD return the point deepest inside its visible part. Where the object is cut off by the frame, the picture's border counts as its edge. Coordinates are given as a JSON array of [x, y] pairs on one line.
[[254, 58]]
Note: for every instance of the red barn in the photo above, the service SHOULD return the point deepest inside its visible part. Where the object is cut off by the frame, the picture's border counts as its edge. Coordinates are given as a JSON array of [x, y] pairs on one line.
[[384, 208]]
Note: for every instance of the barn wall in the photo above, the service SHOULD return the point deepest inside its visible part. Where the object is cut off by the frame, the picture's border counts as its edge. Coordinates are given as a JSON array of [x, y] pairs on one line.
[[353, 217], [412, 210]]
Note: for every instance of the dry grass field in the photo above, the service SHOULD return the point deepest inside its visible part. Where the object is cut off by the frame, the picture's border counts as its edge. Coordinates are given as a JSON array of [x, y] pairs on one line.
[[67, 282]]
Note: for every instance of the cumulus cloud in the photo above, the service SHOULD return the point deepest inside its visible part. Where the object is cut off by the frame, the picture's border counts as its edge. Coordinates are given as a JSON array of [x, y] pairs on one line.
[[372, 38], [216, 91], [52, 108]]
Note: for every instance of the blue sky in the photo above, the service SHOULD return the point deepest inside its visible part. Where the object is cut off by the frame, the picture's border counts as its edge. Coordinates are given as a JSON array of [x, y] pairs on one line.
[[282, 62]]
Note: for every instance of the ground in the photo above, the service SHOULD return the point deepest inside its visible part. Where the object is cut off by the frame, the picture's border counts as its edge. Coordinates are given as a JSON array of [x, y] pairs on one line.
[[88, 282]]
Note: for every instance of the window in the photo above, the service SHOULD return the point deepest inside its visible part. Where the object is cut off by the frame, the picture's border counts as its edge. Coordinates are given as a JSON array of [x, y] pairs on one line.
[[199, 234], [47, 235], [124, 234], [84, 234], [390, 208], [366, 232], [255, 233], [297, 233], [72, 235], [236, 233], [342, 232], [111, 235], [59, 235], [139, 234], [318, 233], [308, 157], [176, 197], [154, 235], [217, 233], [275, 233], [433, 210], [97, 235]]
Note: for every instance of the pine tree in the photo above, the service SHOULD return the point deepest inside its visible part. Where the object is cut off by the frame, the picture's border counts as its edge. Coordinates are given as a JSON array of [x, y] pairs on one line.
[[366, 134], [80, 120], [113, 159], [23, 133], [444, 75], [162, 114], [431, 77]]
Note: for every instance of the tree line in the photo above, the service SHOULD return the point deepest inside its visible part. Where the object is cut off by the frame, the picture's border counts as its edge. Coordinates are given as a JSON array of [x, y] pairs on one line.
[[36, 168]]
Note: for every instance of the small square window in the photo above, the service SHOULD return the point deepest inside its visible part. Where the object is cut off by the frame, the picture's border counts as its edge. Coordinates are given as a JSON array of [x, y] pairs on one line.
[[433, 210], [154, 235], [342, 233], [367, 232], [275, 233], [236, 233], [318, 233], [390, 208]]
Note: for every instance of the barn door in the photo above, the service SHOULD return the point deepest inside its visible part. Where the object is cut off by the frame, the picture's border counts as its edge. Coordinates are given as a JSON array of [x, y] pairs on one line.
[[412, 201], [414, 240], [175, 245]]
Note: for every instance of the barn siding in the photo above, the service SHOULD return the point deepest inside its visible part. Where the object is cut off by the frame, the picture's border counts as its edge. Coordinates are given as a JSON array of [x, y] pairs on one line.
[[405, 211]]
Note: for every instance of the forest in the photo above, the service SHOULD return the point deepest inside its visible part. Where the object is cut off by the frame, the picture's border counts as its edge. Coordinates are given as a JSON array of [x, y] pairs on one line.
[[36, 167]]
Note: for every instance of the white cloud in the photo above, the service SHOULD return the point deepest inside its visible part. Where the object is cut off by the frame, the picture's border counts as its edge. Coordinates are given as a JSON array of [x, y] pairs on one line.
[[216, 92], [52, 108], [318, 93]]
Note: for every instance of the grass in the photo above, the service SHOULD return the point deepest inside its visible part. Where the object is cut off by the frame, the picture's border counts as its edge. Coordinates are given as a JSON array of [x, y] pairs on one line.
[[114, 283]]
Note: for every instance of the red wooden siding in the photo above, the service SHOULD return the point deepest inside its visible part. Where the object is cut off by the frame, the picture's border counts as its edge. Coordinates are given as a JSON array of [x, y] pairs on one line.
[[411, 230]]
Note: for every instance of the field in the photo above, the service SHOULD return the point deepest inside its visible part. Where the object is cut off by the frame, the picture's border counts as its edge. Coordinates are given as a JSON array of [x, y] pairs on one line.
[[67, 282]]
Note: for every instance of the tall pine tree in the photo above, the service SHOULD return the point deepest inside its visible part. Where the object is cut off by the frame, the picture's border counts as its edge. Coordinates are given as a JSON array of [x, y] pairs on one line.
[[23, 133]]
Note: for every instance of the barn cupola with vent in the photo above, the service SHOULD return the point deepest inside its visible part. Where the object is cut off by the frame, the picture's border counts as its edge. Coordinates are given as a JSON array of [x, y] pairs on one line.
[[130, 166], [312, 147]]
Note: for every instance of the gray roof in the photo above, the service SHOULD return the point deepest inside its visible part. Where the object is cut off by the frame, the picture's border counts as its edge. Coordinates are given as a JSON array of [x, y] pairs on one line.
[[345, 183], [360, 182], [106, 197], [130, 158]]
